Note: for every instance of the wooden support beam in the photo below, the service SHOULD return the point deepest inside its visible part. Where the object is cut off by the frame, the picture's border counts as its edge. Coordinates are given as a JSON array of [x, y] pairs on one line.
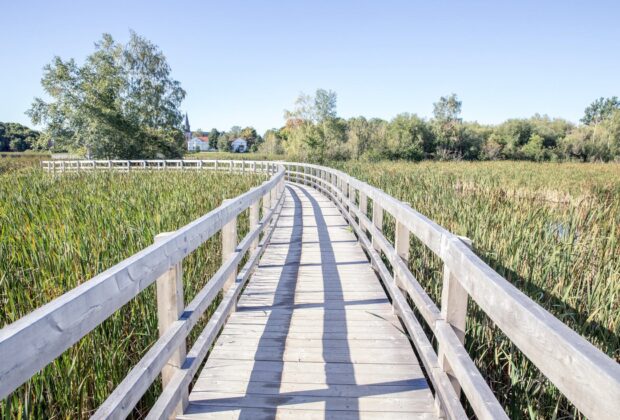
[[377, 220], [454, 311], [169, 308], [254, 219], [401, 245], [229, 243]]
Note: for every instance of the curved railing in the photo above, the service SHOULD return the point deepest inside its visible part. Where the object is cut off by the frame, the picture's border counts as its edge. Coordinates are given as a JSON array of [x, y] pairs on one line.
[[585, 375]]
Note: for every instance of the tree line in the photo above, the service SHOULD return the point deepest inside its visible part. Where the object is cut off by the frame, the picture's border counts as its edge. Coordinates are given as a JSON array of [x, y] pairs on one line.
[[123, 103], [313, 131], [15, 137]]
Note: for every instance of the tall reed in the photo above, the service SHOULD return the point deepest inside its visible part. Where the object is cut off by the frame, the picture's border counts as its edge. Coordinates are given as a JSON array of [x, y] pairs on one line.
[[552, 230], [57, 232]]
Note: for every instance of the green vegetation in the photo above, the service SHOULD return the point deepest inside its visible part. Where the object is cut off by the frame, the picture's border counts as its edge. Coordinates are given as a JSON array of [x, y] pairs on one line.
[[13, 161], [15, 137], [313, 131], [121, 103], [550, 229], [57, 232]]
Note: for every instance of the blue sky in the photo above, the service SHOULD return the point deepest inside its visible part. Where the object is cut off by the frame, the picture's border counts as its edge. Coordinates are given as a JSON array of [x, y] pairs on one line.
[[243, 63]]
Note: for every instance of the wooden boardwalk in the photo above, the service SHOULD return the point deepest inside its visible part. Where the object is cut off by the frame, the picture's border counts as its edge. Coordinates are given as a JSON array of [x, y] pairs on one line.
[[314, 335]]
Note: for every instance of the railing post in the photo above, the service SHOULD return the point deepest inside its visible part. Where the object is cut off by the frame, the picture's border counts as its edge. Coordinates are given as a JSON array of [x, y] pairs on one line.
[[363, 208], [454, 311], [229, 244], [401, 243], [377, 221], [169, 308], [351, 199], [266, 203], [254, 219]]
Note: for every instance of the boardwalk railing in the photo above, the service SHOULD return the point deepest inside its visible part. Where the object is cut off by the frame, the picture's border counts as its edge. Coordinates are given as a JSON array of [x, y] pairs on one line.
[[34, 341], [132, 165], [585, 375]]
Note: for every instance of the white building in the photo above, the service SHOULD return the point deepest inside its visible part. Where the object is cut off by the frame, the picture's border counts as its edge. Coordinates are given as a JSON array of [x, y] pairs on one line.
[[197, 145], [239, 145]]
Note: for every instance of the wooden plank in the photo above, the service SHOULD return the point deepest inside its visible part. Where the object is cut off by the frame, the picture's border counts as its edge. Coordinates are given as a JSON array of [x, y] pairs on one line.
[[422, 403], [393, 389], [329, 343], [399, 356], [300, 371], [229, 413]]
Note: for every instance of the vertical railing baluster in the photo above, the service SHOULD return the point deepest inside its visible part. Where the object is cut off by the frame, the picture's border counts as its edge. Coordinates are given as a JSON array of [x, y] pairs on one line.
[[401, 245], [254, 220], [377, 221], [229, 244], [454, 311], [169, 308]]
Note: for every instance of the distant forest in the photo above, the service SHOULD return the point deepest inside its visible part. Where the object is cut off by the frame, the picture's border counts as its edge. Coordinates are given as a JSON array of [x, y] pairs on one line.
[[313, 131], [15, 137]]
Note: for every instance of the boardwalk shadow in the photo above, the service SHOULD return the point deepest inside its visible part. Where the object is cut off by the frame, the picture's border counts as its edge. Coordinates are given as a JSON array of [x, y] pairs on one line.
[[284, 298], [332, 288]]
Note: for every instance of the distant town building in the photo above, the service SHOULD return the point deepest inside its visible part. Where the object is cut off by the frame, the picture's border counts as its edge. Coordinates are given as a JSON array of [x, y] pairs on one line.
[[239, 145], [197, 144]]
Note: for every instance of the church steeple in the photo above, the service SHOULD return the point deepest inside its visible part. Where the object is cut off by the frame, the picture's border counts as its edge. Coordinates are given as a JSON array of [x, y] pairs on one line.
[[187, 129]]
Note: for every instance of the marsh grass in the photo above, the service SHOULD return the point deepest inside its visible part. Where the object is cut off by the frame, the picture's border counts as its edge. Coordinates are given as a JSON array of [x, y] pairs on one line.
[[549, 229], [57, 232]]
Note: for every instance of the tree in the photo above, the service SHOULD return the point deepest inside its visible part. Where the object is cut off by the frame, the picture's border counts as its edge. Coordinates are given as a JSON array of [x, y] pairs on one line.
[[272, 143], [249, 134], [447, 125], [223, 142], [234, 132], [214, 135], [324, 104], [408, 137], [534, 149], [314, 128], [122, 103], [600, 109]]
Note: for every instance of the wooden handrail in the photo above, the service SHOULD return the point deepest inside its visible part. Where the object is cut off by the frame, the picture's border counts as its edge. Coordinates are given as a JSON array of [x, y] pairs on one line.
[[585, 375]]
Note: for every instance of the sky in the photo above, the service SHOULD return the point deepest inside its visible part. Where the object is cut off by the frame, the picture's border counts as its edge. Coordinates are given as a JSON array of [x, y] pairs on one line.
[[244, 62]]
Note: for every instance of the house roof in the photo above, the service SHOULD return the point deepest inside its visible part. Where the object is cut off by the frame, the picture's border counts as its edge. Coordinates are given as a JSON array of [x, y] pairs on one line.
[[204, 138]]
